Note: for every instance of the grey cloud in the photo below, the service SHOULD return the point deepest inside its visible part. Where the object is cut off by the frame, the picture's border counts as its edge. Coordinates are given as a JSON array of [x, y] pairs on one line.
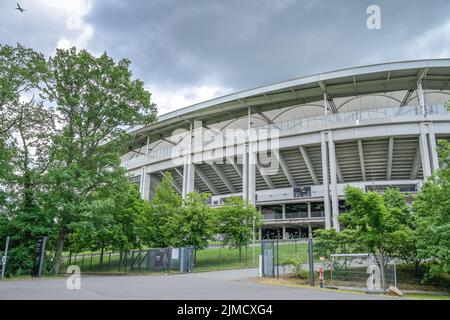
[[237, 44]]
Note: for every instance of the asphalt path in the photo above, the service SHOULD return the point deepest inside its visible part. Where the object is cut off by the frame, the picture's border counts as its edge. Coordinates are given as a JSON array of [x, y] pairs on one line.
[[215, 285]]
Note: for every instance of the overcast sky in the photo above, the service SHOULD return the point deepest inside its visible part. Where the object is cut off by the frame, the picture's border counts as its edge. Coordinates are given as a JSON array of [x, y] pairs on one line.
[[188, 51]]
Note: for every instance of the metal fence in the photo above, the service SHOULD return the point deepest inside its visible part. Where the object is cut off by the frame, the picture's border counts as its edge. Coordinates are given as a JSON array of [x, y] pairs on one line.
[[150, 260], [285, 257], [361, 271]]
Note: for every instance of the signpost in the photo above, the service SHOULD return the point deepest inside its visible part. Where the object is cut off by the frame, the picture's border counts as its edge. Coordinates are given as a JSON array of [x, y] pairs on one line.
[[39, 256], [4, 257]]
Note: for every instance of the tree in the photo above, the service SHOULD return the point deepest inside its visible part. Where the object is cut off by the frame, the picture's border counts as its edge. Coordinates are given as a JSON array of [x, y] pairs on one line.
[[235, 222], [21, 72], [109, 222], [432, 210], [196, 221], [25, 133], [406, 234], [95, 99], [159, 225], [372, 225]]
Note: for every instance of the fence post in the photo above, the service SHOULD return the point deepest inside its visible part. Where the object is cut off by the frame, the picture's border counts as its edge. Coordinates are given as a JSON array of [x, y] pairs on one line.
[[246, 256], [109, 262], [139, 261], [90, 264], [126, 261], [311, 262], [220, 256], [278, 259], [120, 260], [395, 273], [82, 261]]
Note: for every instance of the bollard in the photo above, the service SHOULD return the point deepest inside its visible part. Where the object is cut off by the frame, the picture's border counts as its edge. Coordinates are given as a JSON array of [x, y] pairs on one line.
[[321, 276]]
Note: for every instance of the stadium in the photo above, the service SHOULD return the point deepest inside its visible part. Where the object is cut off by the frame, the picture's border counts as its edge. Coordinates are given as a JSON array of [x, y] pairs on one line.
[[371, 127]]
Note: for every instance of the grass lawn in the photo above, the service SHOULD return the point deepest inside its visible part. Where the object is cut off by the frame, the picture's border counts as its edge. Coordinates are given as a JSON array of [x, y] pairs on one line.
[[215, 258]]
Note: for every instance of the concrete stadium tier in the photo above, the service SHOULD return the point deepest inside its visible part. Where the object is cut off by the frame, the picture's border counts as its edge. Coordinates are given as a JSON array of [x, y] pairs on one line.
[[371, 127]]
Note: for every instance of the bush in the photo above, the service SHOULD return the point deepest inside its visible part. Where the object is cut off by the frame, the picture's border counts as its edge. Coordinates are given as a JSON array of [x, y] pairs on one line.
[[296, 263]]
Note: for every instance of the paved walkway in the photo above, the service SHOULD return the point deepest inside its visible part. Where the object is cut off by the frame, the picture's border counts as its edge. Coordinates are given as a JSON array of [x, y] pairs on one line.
[[218, 285]]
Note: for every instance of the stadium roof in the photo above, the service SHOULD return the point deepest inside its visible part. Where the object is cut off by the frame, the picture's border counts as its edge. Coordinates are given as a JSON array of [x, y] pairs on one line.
[[356, 81]]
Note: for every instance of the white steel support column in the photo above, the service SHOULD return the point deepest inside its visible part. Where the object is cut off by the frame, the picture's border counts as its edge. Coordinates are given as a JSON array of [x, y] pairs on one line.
[[188, 170], [389, 160], [326, 185], [284, 233], [249, 167], [283, 211], [188, 177], [424, 151], [144, 187], [245, 174], [421, 97], [310, 234], [251, 175], [432, 146], [333, 177], [309, 209]]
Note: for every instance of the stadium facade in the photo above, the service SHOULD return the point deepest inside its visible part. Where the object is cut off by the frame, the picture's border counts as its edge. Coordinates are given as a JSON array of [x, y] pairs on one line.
[[298, 143]]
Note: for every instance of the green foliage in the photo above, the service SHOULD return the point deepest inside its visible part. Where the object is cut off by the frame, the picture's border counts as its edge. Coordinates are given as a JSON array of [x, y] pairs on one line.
[[235, 222], [21, 71], [109, 222], [158, 226], [374, 222], [297, 265], [60, 171], [95, 97], [432, 211], [328, 242], [196, 221]]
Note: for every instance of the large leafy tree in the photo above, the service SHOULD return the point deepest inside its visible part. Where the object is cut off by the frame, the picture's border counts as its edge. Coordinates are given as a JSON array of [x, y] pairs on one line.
[[373, 225], [95, 98], [196, 221], [25, 133], [21, 71], [432, 211], [235, 222], [109, 220], [159, 226]]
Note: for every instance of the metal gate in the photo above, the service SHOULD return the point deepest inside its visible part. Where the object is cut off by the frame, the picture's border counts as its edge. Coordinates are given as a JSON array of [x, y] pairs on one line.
[[269, 250], [186, 259]]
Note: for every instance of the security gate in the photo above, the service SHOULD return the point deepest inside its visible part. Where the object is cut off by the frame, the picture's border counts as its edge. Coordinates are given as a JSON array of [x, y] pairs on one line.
[[186, 259], [269, 250]]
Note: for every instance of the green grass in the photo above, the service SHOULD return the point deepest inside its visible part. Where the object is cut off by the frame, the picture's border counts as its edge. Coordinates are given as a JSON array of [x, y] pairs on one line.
[[209, 259]]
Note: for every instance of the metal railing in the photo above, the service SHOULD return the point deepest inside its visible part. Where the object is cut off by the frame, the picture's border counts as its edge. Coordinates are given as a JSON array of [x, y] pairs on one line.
[[312, 123]]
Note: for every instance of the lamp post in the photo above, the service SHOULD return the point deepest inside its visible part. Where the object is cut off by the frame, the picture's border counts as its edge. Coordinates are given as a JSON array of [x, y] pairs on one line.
[[254, 240]]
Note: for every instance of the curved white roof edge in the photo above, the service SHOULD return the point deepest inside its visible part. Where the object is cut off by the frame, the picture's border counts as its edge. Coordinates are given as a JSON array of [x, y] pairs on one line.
[[381, 67], [353, 71]]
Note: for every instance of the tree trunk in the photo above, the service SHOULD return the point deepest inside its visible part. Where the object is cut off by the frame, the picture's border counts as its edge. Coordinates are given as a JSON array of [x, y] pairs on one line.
[[417, 274], [101, 256], [195, 255], [383, 275], [59, 249], [240, 254]]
